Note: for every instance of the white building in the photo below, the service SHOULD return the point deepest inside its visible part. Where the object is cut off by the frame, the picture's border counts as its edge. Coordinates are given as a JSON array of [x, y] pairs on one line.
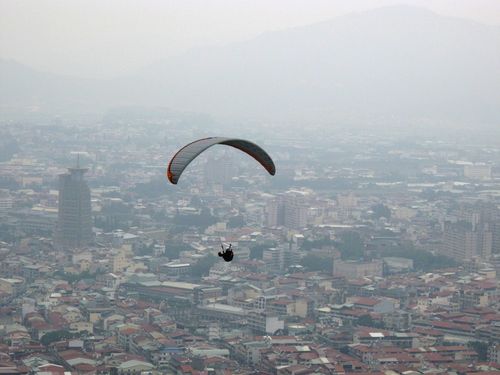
[[477, 171], [262, 323]]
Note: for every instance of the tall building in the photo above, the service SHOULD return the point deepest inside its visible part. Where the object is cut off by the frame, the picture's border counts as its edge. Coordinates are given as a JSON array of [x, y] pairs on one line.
[[295, 209], [278, 259], [275, 211], [345, 205], [74, 222], [220, 170], [495, 246], [289, 209], [274, 258], [475, 232], [462, 241]]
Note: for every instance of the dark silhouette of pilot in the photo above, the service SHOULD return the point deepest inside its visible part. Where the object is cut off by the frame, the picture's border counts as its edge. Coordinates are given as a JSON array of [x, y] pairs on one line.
[[226, 254]]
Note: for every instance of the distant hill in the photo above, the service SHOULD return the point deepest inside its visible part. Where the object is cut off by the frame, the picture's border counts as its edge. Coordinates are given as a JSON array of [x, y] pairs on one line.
[[394, 62], [22, 87]]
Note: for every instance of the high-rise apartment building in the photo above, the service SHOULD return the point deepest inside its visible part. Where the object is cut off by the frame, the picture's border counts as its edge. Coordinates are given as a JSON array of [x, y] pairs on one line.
[[495, 246], [295, 210], [275, 212], [278, 259], [460, 241], [474, 232], [220, 170], [345, 205], [274, 258], [74, 224], [289, 209]]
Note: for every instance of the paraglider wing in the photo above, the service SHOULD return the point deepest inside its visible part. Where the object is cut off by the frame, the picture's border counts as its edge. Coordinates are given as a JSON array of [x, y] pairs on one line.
[[189, 152]]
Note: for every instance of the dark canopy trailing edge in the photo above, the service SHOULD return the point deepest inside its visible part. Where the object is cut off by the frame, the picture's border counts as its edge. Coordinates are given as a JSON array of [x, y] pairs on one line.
[[189, 152]]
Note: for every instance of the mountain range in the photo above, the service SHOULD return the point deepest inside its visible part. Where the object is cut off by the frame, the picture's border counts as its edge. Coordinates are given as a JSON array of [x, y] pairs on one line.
[[402, 63]]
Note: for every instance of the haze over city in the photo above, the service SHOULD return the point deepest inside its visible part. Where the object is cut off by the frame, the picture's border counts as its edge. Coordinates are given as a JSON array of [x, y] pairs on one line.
[[250, 187]]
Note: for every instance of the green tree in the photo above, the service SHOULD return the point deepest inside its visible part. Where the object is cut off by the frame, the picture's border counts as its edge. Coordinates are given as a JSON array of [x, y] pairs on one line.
[[55, 336], [367, 321], [173, 249], [317, 244], [9, 183], [75, 277], [202, 221], [146, 249], [206, 218], [236, 221], [381, 210], [202, 267], [8, 147], [351, 245], [257, 250], [317, 263], [422, 260], [480, 348], [152, 189]]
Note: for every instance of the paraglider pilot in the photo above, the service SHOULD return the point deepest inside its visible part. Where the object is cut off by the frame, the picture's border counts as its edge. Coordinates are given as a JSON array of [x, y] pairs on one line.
[[226, 254]]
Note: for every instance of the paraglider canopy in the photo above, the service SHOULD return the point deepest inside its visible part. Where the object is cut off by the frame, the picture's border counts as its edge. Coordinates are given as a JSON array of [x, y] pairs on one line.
[[189, 152]]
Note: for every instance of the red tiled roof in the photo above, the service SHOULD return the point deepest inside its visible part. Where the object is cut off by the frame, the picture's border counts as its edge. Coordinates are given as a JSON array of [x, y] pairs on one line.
[[365, 301], [84, 367], [128, 331], [52, 368], [72, 354], [428, 331], [186, 369], [450, 325], [436, 358]]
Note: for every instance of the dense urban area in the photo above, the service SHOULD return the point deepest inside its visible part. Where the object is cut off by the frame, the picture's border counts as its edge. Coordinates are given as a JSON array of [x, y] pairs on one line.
[[366, 253]]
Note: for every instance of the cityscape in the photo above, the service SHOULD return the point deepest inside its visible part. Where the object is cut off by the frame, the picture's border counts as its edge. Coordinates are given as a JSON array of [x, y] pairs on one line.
[[338, 211], [351, 259]]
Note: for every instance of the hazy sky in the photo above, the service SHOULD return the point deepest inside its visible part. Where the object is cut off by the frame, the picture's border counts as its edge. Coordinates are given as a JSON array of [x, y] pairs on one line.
[[100, 38]]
